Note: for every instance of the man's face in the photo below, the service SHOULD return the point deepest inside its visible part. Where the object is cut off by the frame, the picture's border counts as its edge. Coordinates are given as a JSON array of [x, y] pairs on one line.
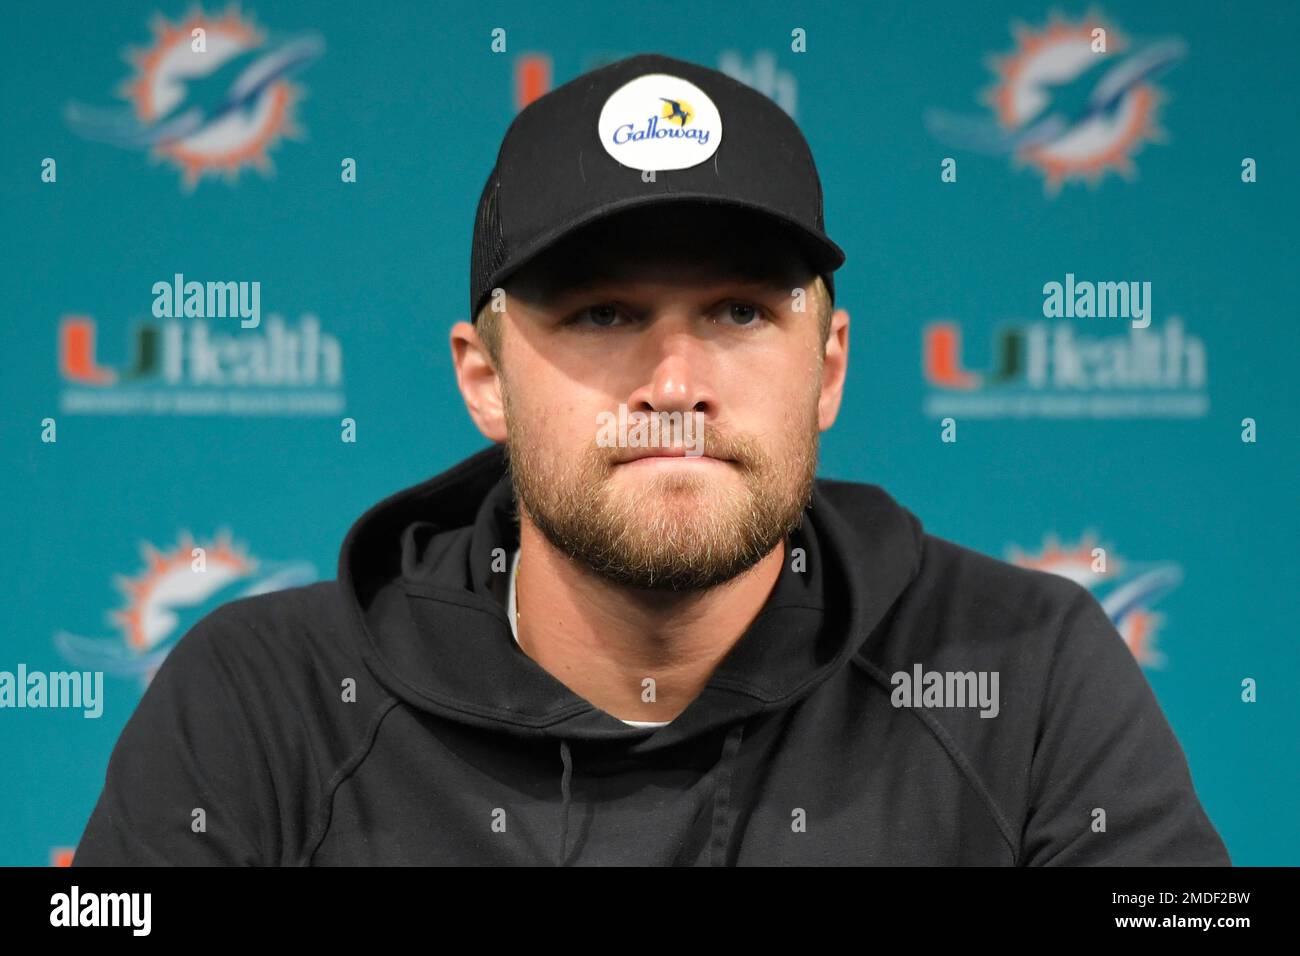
[[670, 310]]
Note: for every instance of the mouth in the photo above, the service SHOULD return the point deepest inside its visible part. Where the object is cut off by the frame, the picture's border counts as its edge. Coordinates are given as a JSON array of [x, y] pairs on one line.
[[674, 457]]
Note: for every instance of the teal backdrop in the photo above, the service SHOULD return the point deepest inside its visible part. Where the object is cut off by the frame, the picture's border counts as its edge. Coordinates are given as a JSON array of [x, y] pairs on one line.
[[1072, 433]]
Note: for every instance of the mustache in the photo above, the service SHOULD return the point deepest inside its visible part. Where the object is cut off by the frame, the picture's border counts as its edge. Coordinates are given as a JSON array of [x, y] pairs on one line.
[[713, 444]]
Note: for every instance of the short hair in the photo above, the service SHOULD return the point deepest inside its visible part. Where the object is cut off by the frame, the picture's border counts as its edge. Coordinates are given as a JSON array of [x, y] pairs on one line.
[[490, 327]]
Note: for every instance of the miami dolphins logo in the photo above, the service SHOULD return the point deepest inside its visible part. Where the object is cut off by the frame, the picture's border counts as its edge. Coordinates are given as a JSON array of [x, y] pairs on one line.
[[1070, 100], [211, 95], [173, 590], [1126, 592]]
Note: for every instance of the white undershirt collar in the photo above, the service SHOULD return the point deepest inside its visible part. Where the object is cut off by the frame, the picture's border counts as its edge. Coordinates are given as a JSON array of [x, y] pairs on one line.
[[512, 606]]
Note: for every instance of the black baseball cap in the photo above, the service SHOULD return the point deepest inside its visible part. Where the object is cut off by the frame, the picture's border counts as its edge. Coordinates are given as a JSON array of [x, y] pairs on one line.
[[586, 151]]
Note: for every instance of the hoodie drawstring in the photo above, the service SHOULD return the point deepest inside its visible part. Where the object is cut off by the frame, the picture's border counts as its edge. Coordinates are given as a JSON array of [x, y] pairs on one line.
[[720, 828], [720, 831], [565, 797]]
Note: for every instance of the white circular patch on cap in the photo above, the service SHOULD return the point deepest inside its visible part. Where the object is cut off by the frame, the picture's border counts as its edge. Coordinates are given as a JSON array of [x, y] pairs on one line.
[[659, 121]]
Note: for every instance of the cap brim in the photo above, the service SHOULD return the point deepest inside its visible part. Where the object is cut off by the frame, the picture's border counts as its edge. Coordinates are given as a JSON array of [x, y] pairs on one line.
[[820, 252]]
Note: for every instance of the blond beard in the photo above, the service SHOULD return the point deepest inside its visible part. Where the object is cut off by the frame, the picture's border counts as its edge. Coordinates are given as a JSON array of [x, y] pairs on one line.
[[681, 531]]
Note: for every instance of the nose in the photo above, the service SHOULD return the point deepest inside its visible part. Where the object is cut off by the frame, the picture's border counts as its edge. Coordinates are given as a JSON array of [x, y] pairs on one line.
[[678, 373]]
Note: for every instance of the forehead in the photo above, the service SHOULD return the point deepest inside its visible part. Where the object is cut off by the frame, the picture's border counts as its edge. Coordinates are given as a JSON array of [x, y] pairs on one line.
[[672, 243]]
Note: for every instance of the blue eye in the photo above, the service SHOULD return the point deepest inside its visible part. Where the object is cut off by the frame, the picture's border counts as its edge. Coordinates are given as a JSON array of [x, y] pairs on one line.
[[604, 315], [745, 314]]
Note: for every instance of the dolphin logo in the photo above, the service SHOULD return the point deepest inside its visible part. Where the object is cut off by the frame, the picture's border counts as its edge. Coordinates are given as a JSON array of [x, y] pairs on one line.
[[1073, 103], [209, 109], [1066, 105], [236, 84]]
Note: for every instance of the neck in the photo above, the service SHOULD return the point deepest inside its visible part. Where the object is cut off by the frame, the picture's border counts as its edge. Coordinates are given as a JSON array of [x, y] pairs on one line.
[[603, 640]]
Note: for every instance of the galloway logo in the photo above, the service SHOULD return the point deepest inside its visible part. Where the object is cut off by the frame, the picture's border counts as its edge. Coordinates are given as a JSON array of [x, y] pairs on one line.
[[211, 95], [658, 122], [169, 595], [1127, 593], [1069, 101]]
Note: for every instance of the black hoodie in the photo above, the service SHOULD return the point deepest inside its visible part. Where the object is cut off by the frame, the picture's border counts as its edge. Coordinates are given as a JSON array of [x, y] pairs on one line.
[[389, 717]]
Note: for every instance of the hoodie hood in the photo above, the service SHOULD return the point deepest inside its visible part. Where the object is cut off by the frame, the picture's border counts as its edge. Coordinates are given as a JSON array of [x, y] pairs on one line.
[[424, 573]]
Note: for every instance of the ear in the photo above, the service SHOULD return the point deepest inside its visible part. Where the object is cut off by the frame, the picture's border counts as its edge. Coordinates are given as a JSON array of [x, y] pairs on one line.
[[834, 370], [478, 381]]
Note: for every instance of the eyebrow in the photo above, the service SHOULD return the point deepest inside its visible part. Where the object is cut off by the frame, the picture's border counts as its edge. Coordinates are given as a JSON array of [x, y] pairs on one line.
[[601, 281]]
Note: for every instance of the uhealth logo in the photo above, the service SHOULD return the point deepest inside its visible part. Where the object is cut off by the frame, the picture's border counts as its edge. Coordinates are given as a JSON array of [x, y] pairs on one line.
[[1072, 100], [210, 95], [1126, 591], [172, 591], [190, 367], [1054, 370]]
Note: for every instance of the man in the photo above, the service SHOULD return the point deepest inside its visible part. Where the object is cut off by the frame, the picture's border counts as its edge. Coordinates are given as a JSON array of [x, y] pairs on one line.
[[601, 642]]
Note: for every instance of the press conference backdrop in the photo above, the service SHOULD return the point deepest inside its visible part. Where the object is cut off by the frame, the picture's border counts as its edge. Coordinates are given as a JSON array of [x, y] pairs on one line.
[[971, 155]]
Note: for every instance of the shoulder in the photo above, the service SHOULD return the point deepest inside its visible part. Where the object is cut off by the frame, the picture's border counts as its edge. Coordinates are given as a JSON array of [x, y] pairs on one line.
[[289, 646], [949, 598], [955, 579], [311, 620], [967, 609], [253, 707]]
